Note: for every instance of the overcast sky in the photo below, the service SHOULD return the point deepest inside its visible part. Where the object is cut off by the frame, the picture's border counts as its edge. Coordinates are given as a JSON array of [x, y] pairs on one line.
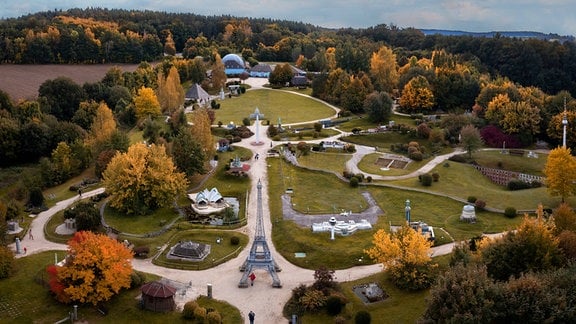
[[547, 16]]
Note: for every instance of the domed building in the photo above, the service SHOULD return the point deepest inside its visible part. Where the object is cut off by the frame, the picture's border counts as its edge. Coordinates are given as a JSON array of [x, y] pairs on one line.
[[233, 65]]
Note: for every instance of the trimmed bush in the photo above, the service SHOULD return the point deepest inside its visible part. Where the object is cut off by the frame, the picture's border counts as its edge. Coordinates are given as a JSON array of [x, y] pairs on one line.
[[333, 305], [458, 158], [510, 212], [189, 308], [137, 279], [426, 180], [362, 317], [516, 184], [480, 204], [471, 199], [200, 314], [214, 317], [354, 182], [369, 179], [234, 240], [435, 176]]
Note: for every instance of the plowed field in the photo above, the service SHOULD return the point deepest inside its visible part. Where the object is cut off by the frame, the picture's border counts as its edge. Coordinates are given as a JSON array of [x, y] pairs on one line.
[[23, 81]]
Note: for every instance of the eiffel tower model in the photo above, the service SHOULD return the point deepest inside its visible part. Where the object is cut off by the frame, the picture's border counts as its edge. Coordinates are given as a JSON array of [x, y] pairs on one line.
[[260, 255]]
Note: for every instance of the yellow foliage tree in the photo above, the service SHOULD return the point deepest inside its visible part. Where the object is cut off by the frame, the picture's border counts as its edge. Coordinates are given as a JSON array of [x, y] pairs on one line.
[[218, 73], [331, 58], [97, 267], [417, 95], [143, 178], [170, 92], [384, 69], [146, 103], [170, 45], [405, 254], [102, 130], [560, 171], [201, 130]]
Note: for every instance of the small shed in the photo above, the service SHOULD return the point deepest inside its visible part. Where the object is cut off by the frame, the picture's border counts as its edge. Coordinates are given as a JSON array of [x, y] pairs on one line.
[[158, 297], [197, 93]]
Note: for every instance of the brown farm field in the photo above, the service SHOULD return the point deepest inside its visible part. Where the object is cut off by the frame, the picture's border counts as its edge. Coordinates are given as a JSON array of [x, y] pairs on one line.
[[23, 81]]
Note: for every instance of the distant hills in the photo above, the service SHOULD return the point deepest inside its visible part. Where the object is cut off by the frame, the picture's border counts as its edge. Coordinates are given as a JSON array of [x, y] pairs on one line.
[[511, 34]]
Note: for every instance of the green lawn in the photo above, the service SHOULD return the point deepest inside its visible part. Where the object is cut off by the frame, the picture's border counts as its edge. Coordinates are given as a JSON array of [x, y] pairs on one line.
[[290, 107], [462, 180], [219, 253], [25, 299], [331, 162]]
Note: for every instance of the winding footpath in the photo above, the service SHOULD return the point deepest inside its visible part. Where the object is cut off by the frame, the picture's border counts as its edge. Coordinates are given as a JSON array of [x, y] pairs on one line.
[[266, 302]]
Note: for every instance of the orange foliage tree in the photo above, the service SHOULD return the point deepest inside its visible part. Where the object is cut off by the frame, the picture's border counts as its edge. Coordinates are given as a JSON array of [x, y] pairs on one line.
[[96, 268]]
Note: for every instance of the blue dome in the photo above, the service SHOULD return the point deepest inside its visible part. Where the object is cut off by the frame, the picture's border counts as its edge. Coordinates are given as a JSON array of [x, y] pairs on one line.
[[234, 59]]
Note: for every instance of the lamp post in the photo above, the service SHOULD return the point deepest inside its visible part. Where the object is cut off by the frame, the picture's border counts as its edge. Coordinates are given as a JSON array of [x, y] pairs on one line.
[[332, 222], [407, 210]]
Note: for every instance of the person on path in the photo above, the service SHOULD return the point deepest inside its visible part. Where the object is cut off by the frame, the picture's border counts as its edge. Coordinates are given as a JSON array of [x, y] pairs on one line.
[[25, 250], [30, 236], [251, 316], [80, 193], [252, 278]]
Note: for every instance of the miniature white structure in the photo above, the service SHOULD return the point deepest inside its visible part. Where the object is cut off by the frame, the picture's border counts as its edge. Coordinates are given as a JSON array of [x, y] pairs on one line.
[[341, 227], [468, 214], [208, 202]]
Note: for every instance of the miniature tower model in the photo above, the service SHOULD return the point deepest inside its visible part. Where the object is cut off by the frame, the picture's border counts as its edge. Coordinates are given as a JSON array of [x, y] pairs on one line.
[[260, 255]]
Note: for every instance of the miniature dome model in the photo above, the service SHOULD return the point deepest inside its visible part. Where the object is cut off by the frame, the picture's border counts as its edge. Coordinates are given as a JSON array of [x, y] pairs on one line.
[[468, 214], [233, 60], [233, 64]]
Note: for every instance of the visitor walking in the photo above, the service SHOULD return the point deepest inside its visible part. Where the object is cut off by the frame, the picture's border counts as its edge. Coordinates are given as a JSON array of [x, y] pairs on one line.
[[25, 250], [251, 316], [80, 192], [252, 278], [30, 236]]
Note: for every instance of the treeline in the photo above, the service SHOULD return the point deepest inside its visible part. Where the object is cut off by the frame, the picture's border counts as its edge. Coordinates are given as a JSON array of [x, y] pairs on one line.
[[97, 35]]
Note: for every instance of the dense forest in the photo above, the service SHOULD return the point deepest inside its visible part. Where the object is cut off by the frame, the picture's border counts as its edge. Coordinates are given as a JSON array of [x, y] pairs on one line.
[[514, 91], [127, 36]]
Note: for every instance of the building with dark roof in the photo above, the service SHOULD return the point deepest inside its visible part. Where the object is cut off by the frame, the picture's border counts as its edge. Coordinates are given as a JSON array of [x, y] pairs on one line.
[[158, 297], [261, 70]]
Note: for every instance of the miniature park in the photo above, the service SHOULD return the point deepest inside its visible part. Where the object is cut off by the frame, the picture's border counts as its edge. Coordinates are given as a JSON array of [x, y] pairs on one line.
[[308, 200]]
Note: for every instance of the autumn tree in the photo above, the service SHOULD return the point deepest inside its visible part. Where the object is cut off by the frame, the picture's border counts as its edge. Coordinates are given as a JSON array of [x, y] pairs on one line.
[[417, 95], [560, 171], [471, 139], [218, 73], [281, 75], [146, 103], [406, 255], [143, 178], [102, 130], [384, 70], [201, 130], [97, 268], [169, 45], [532, 247], [170, 92], [564, 219]]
